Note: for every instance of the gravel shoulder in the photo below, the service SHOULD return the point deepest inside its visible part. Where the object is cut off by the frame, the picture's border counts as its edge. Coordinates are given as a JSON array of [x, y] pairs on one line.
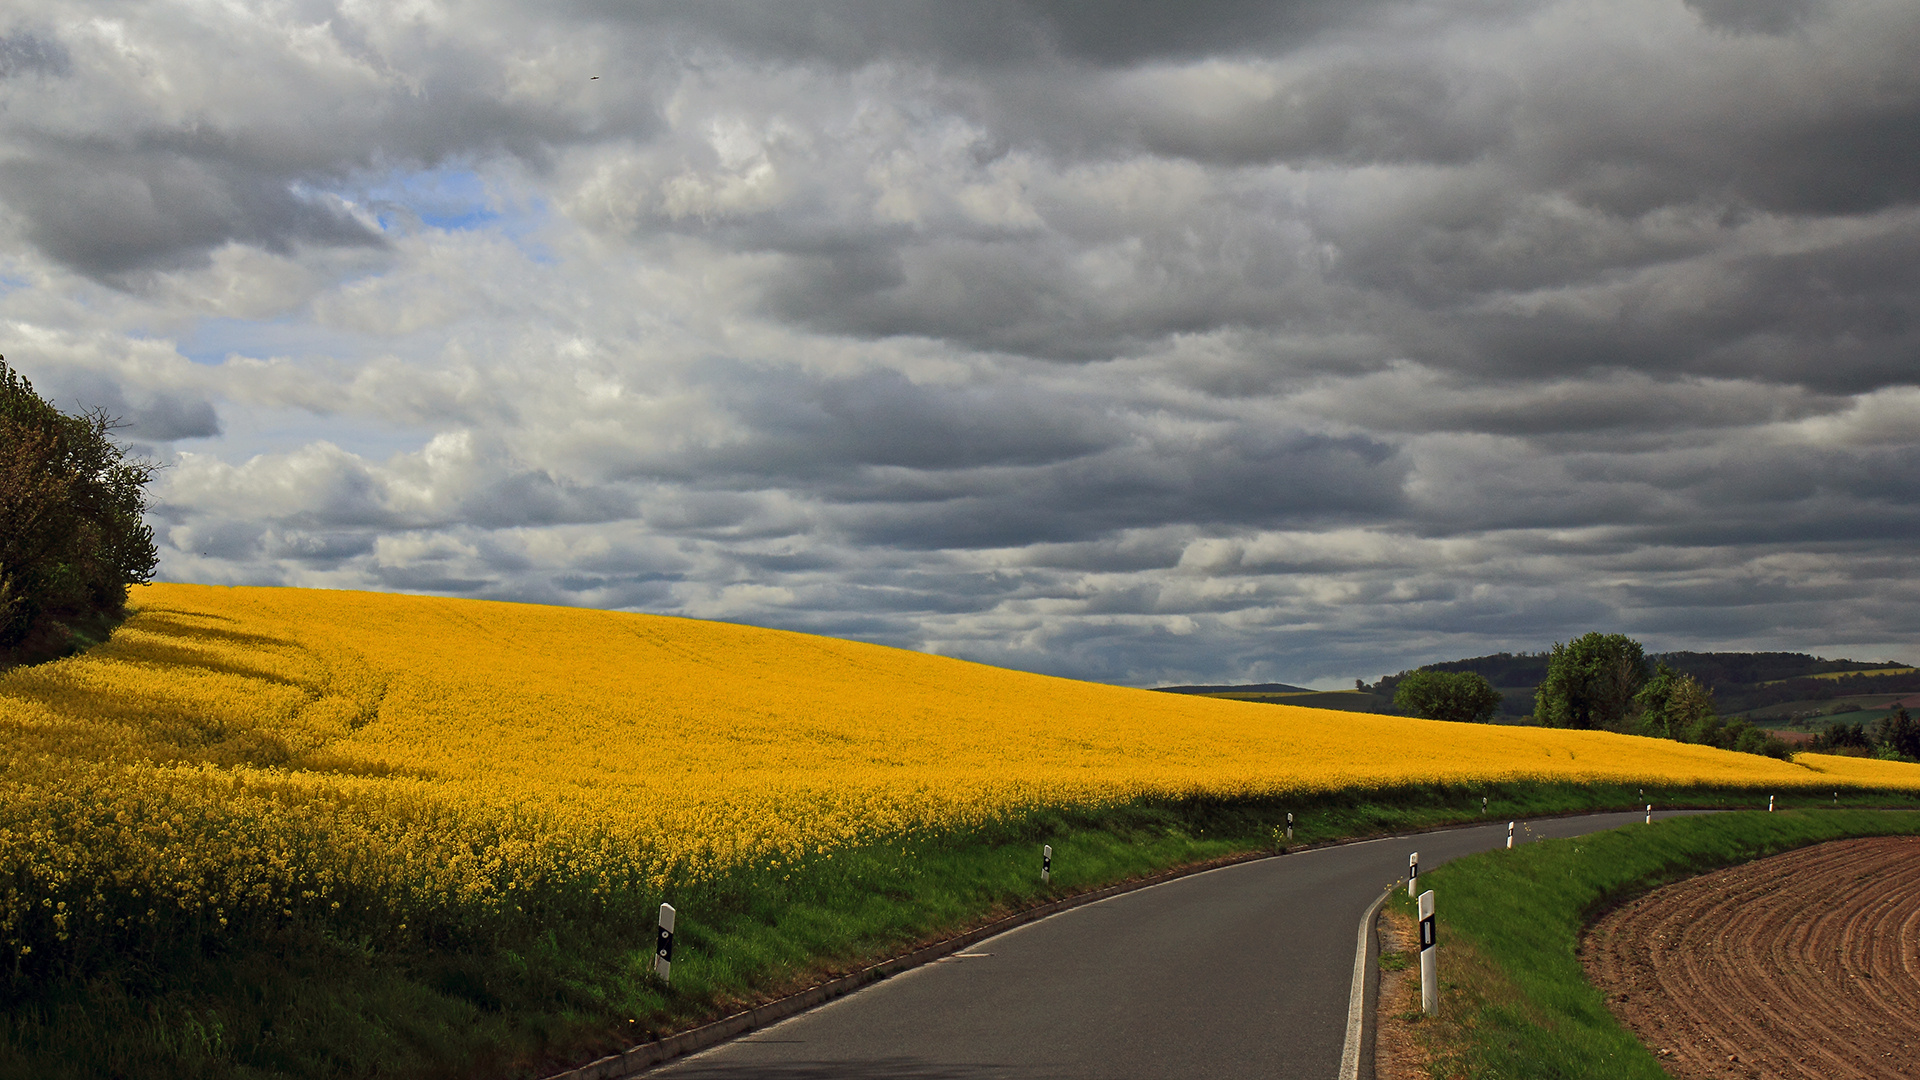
[[1397, 1051], [1805, 964]]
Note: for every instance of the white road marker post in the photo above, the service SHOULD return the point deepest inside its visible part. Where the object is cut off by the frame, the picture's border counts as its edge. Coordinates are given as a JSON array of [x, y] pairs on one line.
[[1509, 835], [1413, 872], [1289, 828], [1483, 804], [663, 945], [1649, 813], [1769, 804], [1429, 961], [1046, 863]]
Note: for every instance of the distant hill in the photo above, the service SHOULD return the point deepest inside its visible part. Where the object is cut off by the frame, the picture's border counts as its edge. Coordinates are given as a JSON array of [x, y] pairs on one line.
[[1360, 701], [1733, 669], [1514, 675], [1502, 669], [1247, 688], [1769, 688], [1763, 686]]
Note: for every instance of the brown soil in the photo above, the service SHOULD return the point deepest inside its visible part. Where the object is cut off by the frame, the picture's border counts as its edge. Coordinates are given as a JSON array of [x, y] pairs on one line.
[[1398, 1053], [1802, 965]]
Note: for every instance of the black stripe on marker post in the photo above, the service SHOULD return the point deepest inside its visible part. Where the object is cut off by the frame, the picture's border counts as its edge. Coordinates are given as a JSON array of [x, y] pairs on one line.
[[1429, 957], [663, 945]]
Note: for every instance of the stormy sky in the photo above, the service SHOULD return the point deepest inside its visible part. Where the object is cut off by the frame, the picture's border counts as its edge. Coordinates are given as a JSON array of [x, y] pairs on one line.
[[1138, 342]]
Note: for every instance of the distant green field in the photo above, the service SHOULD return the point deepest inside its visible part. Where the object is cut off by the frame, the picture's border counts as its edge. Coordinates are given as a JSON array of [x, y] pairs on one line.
[[1809, 705], [1776, 715], [1867, 717], [1837, 675]]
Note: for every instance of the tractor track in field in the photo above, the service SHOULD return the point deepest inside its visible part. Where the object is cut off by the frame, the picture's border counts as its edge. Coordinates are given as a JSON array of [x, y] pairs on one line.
[[1805, 964]]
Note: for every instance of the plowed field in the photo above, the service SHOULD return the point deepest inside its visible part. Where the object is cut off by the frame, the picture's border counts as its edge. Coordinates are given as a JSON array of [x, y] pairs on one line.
[[1802, 965]]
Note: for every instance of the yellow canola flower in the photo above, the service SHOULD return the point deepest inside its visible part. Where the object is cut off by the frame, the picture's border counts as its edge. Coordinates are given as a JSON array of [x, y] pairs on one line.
[[1845, 772], [448, 765]]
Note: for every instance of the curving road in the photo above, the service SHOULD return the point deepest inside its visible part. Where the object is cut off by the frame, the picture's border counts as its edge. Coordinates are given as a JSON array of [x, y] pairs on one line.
[[1240, 972]]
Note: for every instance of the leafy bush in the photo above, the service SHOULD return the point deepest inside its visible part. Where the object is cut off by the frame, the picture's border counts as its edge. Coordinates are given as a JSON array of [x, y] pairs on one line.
[[72, 536], [1673, 704], [1461, 696]]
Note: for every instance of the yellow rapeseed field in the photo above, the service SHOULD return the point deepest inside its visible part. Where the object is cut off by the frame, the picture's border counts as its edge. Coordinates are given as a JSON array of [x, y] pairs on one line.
[[406, 765]]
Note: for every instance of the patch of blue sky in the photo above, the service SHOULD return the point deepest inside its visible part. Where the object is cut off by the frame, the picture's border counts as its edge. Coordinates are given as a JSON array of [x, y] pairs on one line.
[[455, 199], [249, 431], [451, 199], [213, 340]]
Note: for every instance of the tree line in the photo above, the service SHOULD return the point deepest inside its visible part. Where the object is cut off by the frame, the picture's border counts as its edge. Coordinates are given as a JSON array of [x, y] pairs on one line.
[[1895, 736], [1596, 682], [73, 534]]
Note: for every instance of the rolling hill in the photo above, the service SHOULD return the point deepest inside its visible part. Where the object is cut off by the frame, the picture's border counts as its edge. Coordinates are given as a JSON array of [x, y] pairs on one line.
[[422, 831]]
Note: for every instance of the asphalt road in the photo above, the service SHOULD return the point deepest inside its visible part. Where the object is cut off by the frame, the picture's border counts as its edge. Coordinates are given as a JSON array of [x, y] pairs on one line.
[[1236, 973]]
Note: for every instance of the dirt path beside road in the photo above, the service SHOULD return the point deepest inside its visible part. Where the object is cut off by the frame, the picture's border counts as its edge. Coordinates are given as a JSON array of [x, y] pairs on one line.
[[1802, 965]]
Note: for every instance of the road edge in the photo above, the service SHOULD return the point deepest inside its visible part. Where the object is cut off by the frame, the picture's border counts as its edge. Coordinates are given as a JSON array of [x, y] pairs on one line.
[[1357, 1011], [635, 1060]]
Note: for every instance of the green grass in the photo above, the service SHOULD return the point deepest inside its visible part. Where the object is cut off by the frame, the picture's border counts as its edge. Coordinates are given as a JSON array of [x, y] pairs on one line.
[[1812, 711], [1864, 717], [1817, 722], [308, 1005], [1515, 1002]]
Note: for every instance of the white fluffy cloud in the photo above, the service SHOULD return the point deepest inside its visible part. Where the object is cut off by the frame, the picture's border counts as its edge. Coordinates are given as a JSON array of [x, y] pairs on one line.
[[1295, 342]]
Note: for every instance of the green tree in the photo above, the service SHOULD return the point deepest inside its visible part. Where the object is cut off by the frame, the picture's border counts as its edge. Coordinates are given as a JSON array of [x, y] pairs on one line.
[[1464, 697], [1840, 736], [1897, 734], [1591, 682], [72, 530], [1672, 705]]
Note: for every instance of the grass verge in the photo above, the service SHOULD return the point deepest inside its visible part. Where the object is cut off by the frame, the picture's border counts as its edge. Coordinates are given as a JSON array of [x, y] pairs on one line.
[[1515, 1003], [306, 1004]]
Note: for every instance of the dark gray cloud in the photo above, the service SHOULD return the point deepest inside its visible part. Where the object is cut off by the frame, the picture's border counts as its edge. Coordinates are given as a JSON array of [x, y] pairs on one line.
[[882, 420], [1370, 111], [994, 34], [24, 52], [143, 414], [1756, 16], [1147, 342], [108, 213], [187, 132], [1238, 478]]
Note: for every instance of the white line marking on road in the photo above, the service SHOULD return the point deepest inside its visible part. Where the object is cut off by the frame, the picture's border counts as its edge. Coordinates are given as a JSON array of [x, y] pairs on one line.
[[1357, 996]]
